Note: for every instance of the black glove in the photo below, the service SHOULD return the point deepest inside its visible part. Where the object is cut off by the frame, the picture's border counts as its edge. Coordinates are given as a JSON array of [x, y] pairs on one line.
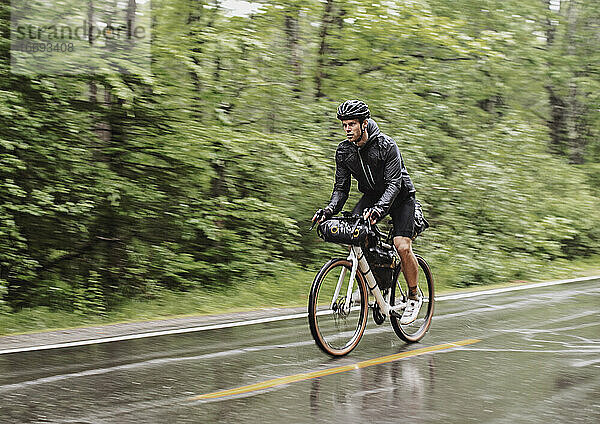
[[322, 214], [374, 214]]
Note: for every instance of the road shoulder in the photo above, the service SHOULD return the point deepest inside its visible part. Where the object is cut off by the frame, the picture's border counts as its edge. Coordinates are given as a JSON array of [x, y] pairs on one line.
[[55, 338], [142, 329]]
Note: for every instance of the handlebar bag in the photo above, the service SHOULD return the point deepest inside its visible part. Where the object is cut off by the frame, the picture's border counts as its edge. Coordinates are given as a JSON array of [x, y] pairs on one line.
[[343, 231]]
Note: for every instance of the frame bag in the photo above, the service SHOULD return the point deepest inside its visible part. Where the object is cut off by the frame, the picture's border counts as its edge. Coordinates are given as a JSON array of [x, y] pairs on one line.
[[383, 266]]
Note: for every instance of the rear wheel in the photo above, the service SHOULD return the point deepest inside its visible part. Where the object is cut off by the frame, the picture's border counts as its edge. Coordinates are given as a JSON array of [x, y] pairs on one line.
[[336, 328], [416, 330]]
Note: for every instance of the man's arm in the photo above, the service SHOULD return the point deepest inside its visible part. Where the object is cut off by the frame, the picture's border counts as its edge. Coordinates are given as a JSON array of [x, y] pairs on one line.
[[341, 187], [392, 176]]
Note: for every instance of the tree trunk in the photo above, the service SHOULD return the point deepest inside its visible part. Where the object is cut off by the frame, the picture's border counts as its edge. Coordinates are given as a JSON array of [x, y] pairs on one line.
[[292, 31], [575, 139], [320, 73], [557, 123]]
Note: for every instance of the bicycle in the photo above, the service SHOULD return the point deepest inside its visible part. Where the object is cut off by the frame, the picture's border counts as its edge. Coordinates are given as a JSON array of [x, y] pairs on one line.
[[337, 313]]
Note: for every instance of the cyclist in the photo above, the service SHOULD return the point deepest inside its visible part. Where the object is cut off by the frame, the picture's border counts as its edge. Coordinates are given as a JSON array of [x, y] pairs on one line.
[[374, 160]]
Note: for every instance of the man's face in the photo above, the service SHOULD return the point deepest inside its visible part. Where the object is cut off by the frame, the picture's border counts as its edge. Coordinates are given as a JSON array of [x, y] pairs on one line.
[[352, 129]]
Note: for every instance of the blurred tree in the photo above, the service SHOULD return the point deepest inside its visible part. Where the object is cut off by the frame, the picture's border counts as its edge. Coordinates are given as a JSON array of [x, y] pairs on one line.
[[573, 60], [205, 170]]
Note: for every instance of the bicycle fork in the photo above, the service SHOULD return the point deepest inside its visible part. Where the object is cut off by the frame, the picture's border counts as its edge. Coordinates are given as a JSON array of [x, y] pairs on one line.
[[359, 261]]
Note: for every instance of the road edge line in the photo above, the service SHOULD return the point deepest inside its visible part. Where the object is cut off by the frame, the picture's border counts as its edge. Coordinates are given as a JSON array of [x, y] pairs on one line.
[[272, 319]]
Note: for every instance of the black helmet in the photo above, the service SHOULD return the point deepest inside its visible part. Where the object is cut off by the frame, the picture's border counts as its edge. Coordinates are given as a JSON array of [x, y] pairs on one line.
[[353, 109]]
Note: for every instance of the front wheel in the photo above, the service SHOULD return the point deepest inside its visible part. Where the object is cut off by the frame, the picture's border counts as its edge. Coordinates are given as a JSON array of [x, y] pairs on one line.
[[337, 328], [416, 330]]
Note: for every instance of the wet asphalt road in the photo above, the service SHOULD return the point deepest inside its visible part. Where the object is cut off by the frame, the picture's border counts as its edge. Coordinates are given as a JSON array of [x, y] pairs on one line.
[[537, 361]]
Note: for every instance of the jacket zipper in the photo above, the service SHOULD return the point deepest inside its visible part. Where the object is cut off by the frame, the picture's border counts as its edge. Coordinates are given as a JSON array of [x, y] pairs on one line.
[[372, 179], [364, 170]]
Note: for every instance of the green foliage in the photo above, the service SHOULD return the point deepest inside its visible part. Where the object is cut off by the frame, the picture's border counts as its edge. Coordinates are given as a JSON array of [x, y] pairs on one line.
[[204, 174]]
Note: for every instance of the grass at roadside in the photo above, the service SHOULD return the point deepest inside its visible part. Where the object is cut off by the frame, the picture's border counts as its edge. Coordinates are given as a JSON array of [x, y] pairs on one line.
[[290, 288]]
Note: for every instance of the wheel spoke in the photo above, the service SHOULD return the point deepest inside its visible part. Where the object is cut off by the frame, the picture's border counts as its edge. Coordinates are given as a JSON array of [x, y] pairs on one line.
[[335, 328]]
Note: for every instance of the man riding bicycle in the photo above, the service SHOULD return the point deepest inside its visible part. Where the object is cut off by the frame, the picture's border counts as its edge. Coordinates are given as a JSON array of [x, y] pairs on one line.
[[374, 160]]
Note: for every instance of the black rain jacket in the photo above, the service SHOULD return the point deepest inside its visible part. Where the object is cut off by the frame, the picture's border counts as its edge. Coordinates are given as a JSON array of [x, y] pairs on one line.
[[377, 166]]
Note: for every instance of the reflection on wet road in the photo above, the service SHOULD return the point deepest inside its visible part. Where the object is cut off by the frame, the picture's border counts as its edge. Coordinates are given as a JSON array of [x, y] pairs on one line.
[[330, 371], [538, 361]]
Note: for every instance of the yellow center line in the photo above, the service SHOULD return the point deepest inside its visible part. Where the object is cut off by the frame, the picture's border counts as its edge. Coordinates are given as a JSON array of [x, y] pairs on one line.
[[329, 371]]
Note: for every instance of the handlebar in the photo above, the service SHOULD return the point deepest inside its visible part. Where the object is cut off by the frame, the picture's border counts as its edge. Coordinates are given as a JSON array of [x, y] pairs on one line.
[[348, 215]]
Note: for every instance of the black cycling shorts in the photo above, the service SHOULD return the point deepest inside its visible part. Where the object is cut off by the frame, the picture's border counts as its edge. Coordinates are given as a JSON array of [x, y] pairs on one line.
[[402, 213]]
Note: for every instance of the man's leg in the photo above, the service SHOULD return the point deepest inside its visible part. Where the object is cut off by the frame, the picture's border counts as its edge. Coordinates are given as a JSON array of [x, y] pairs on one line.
[[403, 216], [411, 274], [409, 263]]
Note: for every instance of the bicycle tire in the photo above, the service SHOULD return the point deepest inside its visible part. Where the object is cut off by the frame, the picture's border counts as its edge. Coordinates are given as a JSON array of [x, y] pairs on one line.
[[415, 331], [335, 331]]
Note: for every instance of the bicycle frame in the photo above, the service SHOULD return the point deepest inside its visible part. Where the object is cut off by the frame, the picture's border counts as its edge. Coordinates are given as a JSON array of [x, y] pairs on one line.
[[359, 262]]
